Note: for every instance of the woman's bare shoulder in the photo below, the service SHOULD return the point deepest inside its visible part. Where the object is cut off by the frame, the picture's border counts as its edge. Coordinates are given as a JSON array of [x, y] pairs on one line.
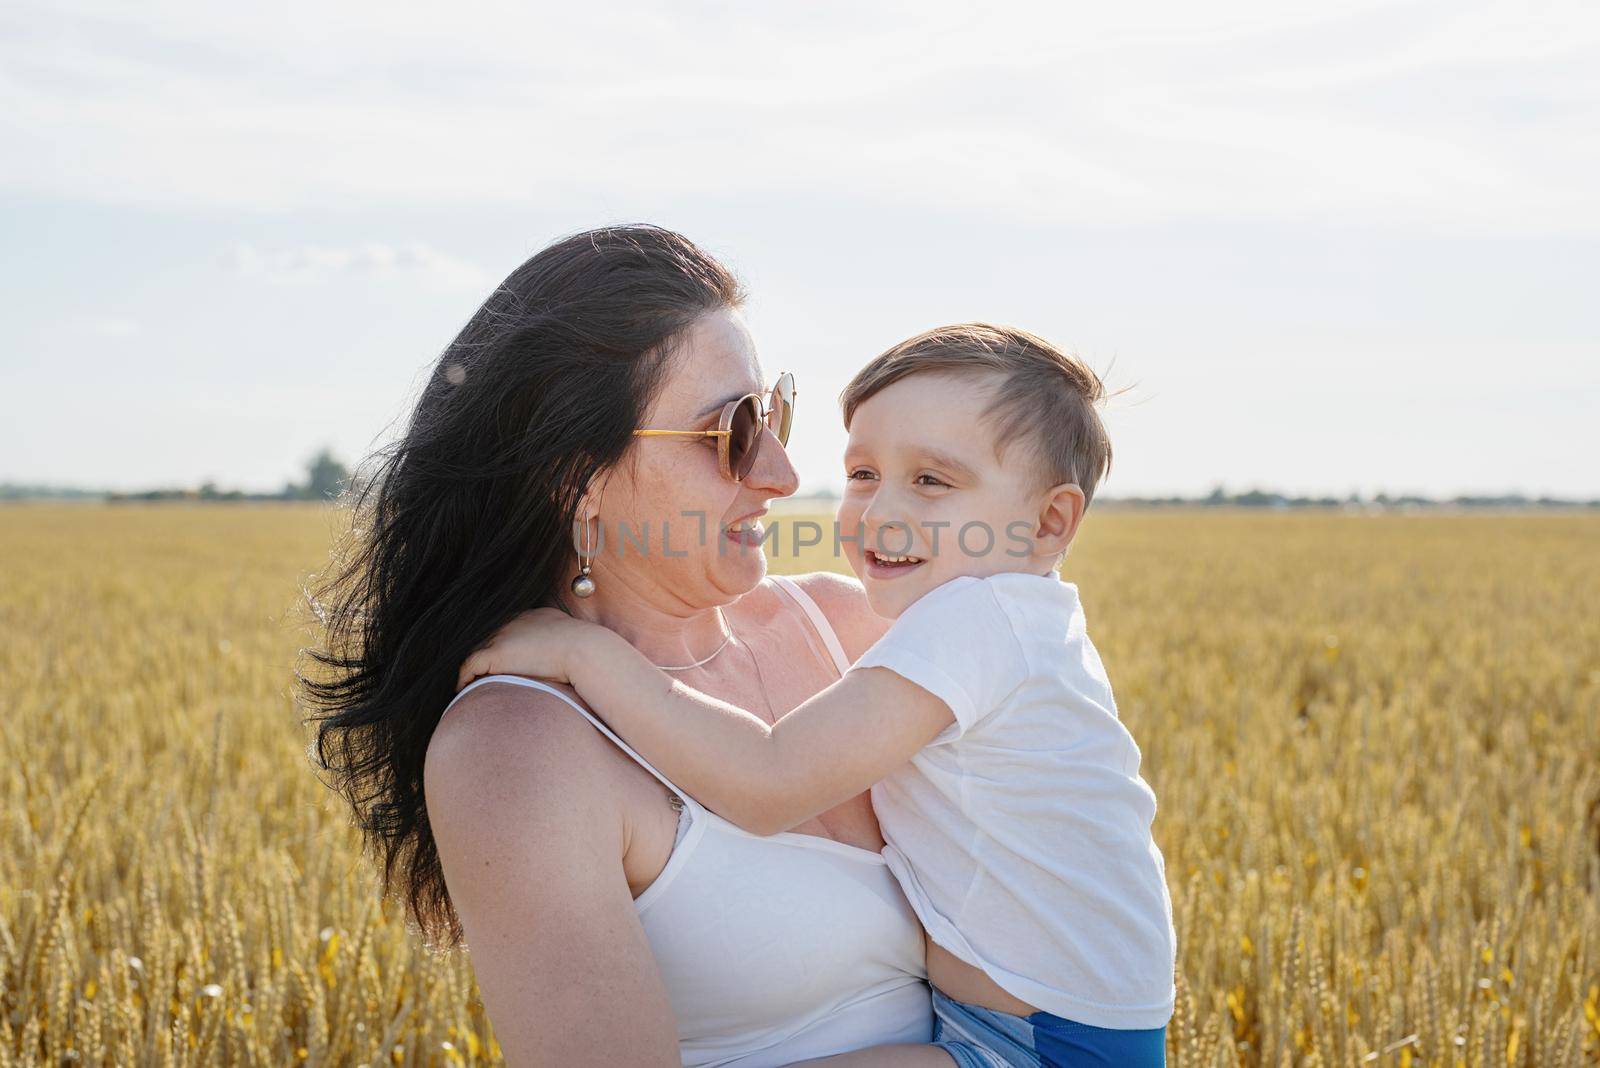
[[843, 600], [504, 711], [530, 831], [506, 748]]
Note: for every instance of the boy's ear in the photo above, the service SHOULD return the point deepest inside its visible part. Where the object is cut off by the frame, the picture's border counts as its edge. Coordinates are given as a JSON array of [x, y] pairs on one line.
[[1060, 512]]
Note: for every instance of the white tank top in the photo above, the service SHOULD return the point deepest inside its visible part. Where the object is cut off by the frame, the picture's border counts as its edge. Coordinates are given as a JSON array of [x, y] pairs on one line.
[[781, 948]]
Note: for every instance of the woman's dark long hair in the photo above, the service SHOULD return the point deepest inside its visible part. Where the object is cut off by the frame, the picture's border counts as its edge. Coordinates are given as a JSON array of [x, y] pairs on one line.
[[466, 520]]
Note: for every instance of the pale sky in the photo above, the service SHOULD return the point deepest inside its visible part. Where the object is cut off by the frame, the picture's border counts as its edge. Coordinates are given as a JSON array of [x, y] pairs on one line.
[[1331, 247]]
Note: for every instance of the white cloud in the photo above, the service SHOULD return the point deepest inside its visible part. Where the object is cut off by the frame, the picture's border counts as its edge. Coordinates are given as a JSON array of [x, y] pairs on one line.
[[108, 326], [1473, 116], [306, 263]]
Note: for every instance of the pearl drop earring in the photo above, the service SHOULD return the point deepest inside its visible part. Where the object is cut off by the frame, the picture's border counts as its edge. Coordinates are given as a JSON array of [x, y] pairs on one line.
[[583, 585]]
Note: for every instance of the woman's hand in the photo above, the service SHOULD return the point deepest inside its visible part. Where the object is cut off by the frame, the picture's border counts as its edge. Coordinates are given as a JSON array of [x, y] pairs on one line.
[[542, 642]]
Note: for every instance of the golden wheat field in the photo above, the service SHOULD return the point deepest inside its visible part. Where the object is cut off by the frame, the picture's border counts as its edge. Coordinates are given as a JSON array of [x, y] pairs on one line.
[[1375, 741]]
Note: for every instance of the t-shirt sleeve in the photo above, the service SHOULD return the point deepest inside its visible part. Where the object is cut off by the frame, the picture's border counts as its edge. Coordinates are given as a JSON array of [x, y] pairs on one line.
[[956, 642]]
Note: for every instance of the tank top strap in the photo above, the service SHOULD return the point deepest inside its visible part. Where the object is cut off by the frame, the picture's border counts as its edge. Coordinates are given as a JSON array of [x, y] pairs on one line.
[[819, 621], [688, 802]]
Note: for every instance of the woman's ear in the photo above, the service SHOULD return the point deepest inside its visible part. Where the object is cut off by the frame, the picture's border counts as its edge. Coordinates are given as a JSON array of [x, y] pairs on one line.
[[1060, 511], [585, 522], [589, 501]]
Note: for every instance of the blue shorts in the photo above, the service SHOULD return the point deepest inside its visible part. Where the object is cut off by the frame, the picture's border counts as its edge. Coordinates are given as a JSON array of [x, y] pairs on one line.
[[976, 1037]]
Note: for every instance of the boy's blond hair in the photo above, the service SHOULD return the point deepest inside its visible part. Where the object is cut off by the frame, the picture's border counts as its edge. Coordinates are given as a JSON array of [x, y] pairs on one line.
[[1045, 400]]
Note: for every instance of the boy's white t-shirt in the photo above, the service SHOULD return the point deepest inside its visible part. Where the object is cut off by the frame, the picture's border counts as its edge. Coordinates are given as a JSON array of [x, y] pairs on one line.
[[1021, 833]]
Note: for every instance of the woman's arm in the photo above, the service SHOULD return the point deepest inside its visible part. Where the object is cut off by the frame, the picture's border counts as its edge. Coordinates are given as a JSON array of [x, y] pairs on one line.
[[766, 779], [530, 839]]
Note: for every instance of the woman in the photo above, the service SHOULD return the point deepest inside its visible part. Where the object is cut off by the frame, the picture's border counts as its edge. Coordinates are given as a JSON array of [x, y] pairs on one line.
[[611, 919]]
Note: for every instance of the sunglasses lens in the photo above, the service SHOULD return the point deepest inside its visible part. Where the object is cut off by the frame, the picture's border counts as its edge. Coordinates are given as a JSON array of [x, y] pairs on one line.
[[745, 439], [781, 417]]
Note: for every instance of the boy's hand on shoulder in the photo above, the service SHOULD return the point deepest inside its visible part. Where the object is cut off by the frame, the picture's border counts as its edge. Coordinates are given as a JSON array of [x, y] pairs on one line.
[[542, 642]]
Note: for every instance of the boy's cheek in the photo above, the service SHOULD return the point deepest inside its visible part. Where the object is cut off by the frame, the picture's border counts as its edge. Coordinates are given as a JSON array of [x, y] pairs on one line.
[[847, 531], [853, 556]]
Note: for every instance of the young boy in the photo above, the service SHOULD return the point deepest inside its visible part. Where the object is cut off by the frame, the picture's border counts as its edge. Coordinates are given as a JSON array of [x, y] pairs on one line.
[[1007, 790]]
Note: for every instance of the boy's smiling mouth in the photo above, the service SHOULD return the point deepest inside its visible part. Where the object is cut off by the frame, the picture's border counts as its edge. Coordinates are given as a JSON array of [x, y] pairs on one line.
[[886, 565]]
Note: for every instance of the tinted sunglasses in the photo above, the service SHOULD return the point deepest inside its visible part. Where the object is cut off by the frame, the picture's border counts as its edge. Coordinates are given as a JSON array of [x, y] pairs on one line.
[[739, 427]]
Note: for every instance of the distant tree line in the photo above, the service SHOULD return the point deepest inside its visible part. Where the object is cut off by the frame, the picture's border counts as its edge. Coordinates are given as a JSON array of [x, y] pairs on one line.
[[327, 479], [1258, 498]]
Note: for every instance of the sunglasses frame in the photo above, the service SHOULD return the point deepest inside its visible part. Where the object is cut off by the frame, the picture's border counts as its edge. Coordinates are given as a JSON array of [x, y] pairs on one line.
[[783, 402]]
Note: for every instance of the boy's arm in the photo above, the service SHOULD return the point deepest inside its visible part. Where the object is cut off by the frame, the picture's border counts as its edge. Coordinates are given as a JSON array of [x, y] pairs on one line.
[[765, 779]]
